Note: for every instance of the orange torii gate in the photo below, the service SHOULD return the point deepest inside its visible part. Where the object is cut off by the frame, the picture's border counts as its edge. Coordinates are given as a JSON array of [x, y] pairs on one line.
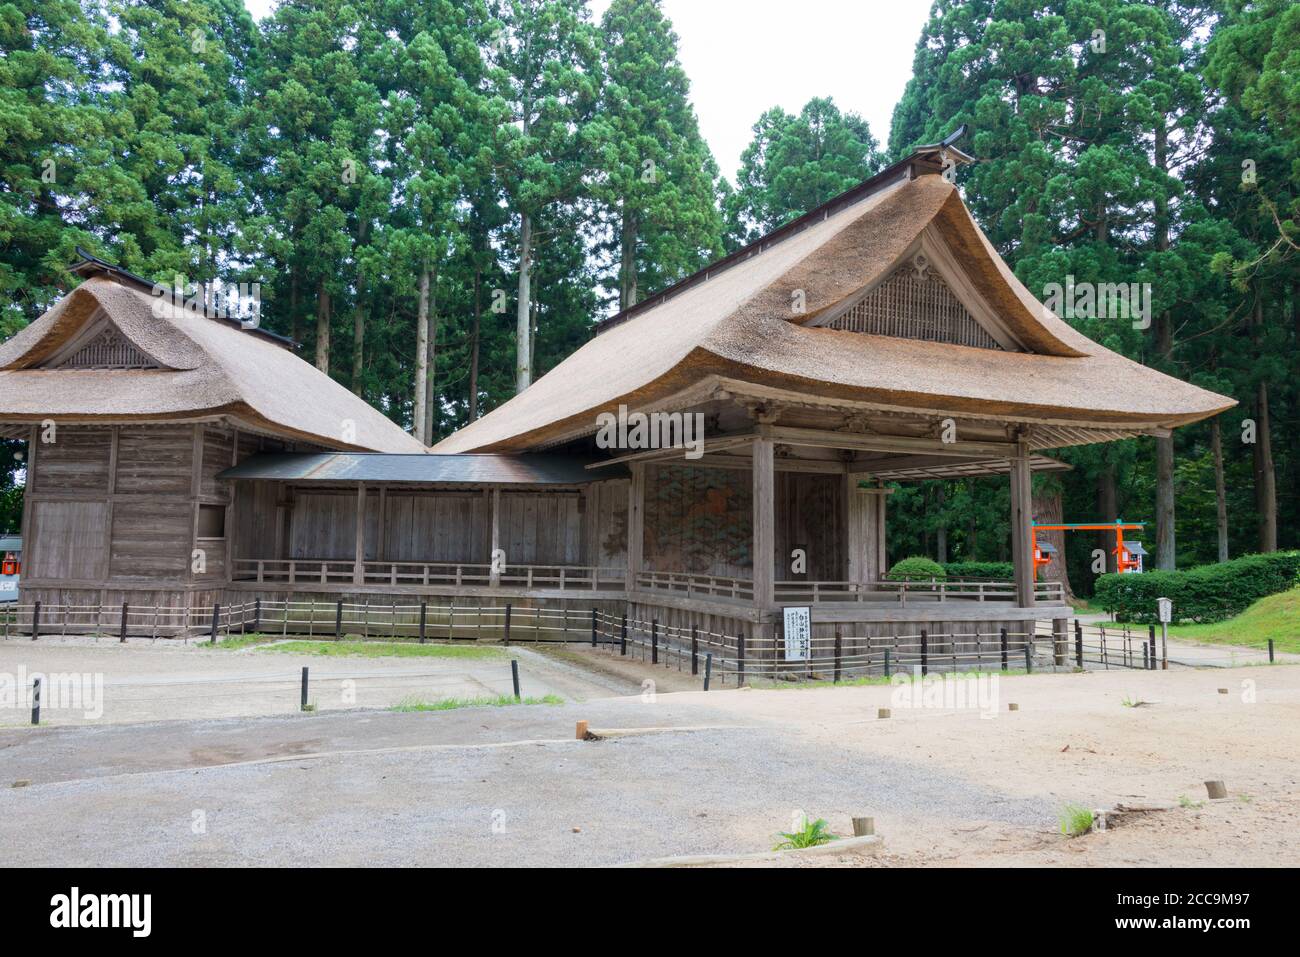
[[1124, 559]]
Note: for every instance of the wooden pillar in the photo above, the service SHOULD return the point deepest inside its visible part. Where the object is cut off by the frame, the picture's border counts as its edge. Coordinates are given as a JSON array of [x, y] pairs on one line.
[[764, 550], [1021, 519], [591, 525], [495, 573], [859, 515], [635, 523], [881, 496], [358, 567]]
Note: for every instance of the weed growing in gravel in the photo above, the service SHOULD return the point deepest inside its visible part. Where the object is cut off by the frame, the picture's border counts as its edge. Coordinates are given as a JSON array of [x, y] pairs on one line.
[[235, 642], [1075, 820], [810, 835], [451, 704], [1185, 801]]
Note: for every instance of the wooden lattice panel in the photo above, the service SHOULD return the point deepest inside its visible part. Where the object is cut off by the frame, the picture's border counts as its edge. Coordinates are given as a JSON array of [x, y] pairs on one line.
[[915, 303], [108, 350]]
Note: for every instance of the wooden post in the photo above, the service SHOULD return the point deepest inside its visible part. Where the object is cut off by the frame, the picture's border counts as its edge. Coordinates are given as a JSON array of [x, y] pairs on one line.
[[622, 639], [839, 648], [1270, 652], [864, 826], [708, 670], [1060, 641], [763, 553], [338, 620], [36, 701], [1021, 522], [1003, 638], [36, 621], [359, 565], [122, 634], [494, 575], [303, 705], [424, 618], [1078, 645], [695, 650], [888, 667], [593, 626], [635, 524], [925, 653], [654, 641], [216, 620], [740, 660], [507, 623], [514, 676]]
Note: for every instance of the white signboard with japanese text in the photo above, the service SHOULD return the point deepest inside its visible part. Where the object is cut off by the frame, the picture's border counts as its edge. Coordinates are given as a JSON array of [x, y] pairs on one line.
[[798, 633]]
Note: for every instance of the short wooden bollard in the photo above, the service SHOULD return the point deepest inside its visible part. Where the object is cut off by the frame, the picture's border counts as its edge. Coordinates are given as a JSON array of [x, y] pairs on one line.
[[1270, 651], [582, 731], [1223, 691], [121, 637], [888, 665], [708, 670], [839, 654], [216, 620], [36, 701], [882, 713], [514, 676], [1029, 658], [303, 703], [1216, 790], [1012, 706], [864, 826]]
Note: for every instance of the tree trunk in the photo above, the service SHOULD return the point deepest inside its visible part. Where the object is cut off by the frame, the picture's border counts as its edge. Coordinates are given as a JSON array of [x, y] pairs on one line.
[[358, 340], [1220, 490], [1107, 508], [473, 346], [628, 285], [941, 529], [1265, 478], [1048, 511], [1165, 545], [295, 333], [431, 338], [421, 354], [323, 328], [523, 325]]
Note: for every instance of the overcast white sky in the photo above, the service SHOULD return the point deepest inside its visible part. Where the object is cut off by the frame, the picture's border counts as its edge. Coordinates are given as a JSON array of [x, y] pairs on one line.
[[744, 56]]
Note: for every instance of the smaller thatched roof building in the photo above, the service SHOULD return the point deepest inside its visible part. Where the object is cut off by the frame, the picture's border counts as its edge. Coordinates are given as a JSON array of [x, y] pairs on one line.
[[105, 354]]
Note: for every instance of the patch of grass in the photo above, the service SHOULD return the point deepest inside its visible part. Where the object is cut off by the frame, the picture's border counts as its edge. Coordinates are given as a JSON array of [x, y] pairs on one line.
[[871, 680], [451, 704], [810, 835], [1075, 820], [1272, 617], [235, 642], [1185, 801], [384, 649]]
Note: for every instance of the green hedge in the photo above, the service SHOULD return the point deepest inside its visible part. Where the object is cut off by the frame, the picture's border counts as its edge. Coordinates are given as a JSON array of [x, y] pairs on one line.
[[1003, 571], [1203, 594], [917, 569]]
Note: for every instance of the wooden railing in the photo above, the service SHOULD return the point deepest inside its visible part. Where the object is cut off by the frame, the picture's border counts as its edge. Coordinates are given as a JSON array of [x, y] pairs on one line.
[[429, 574], [937, 589], [696, 586]]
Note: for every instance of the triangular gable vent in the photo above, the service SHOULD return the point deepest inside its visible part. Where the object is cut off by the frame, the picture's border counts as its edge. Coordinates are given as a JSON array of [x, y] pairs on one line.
[[914, 302], [108, 349]]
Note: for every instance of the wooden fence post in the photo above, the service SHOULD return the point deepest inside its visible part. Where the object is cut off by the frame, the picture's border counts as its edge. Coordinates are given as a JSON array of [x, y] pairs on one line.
[[303, 705], [507, 623], [36, 621], [695, 650], [593, 627], [338, 620], [121, 638], [654, 641], [257, 613], [514, 676], [1078, 644], [839, 648], [925, 653], [1003, 638], [740, 660], [36, 701], [708, 670], [622, 640], [424, 620], [216, 620]]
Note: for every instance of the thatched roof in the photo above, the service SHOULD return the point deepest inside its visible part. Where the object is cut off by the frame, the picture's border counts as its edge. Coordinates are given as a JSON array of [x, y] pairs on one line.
[[202, 367], [734, 320]]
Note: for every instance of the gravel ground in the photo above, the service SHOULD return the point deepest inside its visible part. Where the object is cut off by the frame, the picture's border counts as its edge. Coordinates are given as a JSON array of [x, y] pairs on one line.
[[703, 791]]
